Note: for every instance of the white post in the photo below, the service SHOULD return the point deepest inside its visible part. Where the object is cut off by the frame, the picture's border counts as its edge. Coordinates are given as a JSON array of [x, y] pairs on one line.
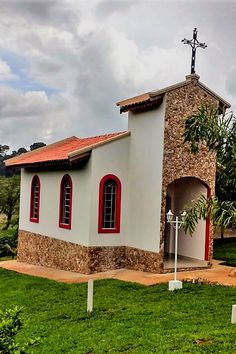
[[175, 284], [233, 317], [90, 296], [176, 244]]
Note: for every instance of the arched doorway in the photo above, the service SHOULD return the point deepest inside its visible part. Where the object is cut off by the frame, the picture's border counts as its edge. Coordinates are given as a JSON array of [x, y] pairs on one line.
[[192, 250]]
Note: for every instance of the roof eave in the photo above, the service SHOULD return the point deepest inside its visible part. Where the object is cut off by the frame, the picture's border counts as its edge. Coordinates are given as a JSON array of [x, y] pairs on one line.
[[60, 162], [39, 163], [148, 97], [37, 152], [143, 106]]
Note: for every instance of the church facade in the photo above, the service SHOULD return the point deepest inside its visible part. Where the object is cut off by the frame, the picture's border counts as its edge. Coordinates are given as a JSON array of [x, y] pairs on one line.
[[100, 203]]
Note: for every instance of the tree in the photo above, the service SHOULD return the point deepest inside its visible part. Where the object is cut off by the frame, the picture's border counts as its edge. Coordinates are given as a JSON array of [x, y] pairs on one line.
[[21, 150], [216, 132], [3, 149], [4, 156], [9, 197], [37, 145]]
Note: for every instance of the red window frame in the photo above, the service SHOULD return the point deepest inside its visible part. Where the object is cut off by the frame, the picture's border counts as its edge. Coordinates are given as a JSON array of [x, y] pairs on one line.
[[207, 233], [35, 181], [116, 229], [62, 224]]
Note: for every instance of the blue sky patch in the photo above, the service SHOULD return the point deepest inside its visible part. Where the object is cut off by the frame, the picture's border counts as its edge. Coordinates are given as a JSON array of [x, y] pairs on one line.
[[20, 66]]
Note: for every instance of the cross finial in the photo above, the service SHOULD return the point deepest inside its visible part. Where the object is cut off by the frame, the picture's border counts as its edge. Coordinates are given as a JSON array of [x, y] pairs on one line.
[[194, 44]]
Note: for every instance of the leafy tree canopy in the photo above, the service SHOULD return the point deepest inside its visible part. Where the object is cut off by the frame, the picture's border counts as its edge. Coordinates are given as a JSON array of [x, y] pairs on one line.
[[218, 133], [3, 149], [4, 156], [36, 145], [9, 197]]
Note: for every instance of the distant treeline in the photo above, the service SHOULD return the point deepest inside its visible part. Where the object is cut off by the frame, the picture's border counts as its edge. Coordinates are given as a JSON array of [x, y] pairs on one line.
[[8, 172]]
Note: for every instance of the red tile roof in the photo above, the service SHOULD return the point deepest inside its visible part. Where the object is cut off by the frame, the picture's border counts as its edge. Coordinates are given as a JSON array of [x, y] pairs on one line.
[[61, 150]]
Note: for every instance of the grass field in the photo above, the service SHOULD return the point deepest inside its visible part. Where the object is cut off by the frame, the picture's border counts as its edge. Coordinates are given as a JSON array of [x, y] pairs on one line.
[[225, 250], [127, 318]]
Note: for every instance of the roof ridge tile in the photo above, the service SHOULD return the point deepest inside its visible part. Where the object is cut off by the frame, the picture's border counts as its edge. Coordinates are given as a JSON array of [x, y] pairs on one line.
[[104, 135]]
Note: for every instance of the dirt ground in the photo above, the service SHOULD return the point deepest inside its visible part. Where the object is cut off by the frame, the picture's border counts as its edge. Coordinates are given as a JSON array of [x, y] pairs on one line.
[[217, 274]]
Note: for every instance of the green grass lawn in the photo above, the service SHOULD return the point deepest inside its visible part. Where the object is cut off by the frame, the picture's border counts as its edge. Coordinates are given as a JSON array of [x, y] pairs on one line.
[[127, 318], [225, 250]]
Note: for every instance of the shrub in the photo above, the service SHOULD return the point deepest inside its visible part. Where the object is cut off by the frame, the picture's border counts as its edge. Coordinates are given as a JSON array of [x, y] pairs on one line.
[[10, 324], [10, 238]]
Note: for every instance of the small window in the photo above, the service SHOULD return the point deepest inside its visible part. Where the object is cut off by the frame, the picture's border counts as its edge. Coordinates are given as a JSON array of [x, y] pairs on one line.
[[65, 202], [109, 205], [35, 199]]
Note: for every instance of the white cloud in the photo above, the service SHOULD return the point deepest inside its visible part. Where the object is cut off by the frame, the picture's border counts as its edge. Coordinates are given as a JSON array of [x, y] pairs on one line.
[[98, 52], [32, 117]]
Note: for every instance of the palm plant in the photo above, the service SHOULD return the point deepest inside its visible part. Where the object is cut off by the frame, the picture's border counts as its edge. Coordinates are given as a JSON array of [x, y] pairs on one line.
[[221, 213]]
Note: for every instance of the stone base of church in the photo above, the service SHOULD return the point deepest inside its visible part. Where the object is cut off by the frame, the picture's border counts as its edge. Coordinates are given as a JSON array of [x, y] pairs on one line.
[[145, 261], [50, 252]]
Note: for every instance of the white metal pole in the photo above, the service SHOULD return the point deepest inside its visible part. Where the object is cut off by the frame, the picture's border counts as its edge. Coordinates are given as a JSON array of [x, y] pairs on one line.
[[90, 296], [176, 244]]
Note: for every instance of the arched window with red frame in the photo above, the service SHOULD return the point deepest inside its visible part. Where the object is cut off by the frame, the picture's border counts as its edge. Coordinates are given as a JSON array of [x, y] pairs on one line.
[[35, 199], [65, 202], [109, 204]]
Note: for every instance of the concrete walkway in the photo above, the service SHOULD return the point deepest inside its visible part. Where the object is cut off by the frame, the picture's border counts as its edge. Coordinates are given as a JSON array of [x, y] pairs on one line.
[[217, 274]]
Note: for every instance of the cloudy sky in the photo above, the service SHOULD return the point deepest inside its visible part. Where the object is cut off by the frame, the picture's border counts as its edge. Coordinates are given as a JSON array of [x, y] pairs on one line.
[[65, 63]]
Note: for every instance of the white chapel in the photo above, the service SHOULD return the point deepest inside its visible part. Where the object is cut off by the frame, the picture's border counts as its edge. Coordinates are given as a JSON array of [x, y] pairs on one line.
[[100, 203]]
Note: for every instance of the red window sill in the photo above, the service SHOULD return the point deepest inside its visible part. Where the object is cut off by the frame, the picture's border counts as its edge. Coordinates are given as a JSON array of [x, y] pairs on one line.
[[34, 220], [108, 231], [65, 226]]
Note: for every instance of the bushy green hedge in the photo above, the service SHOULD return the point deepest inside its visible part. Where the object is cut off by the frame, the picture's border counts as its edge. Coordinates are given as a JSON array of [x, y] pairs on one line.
[[10, 324], [8, 237]]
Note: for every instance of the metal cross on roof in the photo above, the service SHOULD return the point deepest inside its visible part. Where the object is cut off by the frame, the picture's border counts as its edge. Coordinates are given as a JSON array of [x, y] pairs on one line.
[[194, 44]]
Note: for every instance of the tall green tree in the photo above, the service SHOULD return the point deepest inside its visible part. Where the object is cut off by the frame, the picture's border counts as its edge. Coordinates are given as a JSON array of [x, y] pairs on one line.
[[218, 133], [9, 197]]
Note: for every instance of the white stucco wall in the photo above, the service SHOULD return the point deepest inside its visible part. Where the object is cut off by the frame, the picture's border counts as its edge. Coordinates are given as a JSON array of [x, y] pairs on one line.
[[145, 179], [109, 159], [181, 194], [137, 161], [49, 205]]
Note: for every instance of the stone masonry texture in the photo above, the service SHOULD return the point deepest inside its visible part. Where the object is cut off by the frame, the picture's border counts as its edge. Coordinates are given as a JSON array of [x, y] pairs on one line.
[[178, 161], [50, 252]]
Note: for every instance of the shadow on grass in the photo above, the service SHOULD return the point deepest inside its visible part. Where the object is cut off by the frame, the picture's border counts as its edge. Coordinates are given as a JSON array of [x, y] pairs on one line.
[[225, 250]]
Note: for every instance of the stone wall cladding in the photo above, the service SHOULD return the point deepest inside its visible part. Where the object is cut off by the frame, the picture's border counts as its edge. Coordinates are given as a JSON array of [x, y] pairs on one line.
[[146, 261], [178, 161], [106, 258], [50, 252]]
